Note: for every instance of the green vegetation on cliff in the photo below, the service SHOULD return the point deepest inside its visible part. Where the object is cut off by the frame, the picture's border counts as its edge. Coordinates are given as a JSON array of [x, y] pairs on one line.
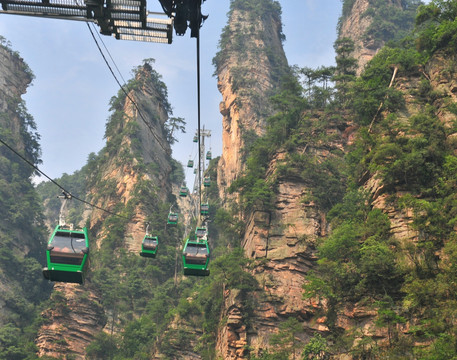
[[411, 158], [22, 233]]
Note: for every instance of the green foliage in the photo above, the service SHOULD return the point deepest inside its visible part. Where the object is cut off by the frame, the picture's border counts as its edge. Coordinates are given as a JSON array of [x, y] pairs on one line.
[[387, 317], [436, 26], [267, 355], [173, 124], [316, 82], [22, 233], [6, 44], [255, 190], [415, 161], [316, 348], [240, 40], [344, 74], [389, 21], [371, 89], [103, 347], [286, 339], [356, 260], [412, 155]]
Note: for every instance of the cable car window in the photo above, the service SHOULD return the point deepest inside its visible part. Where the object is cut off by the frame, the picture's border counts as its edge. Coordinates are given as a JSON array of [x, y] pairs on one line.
[[67, 248], [150, 244], [200, 232], [196, 253]]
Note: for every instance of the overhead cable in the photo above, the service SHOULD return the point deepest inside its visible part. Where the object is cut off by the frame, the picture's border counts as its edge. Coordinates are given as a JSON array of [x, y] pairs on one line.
[[198, 118], [159, 141], [109, 54], [58, 185]]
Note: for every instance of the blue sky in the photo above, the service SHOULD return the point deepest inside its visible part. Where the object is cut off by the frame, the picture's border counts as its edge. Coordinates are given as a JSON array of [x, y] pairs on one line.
[[70, 94]]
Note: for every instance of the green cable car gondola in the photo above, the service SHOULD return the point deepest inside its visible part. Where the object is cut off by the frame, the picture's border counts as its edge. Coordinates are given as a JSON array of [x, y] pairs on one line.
[[208, 155], [207, 182], [201, 232], [204, 209], [195, 139], [190, 163], [67, 255], [195, 257], [184, 191], [172, 218], [149, 246]]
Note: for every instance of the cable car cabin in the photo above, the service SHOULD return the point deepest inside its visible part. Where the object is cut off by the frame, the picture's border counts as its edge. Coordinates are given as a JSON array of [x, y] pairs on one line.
[[201, 232], [204, 209], [190, 163], [184, 191], [195, 257], [208, 155], [149, 246], [195, 170], [172, 219], [207, 182], [195, 139], [67, 255]]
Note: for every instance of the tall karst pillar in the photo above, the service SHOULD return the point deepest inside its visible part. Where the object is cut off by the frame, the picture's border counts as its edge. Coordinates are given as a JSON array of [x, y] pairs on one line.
[[249, 67], [356, 23]]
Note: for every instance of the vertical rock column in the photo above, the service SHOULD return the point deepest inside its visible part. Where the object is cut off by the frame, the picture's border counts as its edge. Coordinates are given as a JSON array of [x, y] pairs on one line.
[[249, 67]]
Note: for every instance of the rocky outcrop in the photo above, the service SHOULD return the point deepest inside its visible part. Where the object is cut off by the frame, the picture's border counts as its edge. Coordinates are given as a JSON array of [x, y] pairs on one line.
[[15, 77], [145, 146], [71, 322], [21, 236], [249, 68], [355, 25], [282, 242]]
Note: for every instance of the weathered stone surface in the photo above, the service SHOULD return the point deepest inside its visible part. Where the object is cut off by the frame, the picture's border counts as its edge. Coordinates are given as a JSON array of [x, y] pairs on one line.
[[20, 240], [70, 325], [354, 27], [245, 108]]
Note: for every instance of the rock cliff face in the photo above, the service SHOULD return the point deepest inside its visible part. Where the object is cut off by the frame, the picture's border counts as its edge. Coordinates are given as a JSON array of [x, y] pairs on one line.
[[71, 322], [283, 244], [21, 234], [355, 25], [249, 68], [142, 144], [14, 80], [282, 241]]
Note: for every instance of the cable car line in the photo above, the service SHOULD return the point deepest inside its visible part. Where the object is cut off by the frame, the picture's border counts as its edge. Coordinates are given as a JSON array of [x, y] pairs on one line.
[[58, 185], [198, 117], [109, 54], [159, 141]]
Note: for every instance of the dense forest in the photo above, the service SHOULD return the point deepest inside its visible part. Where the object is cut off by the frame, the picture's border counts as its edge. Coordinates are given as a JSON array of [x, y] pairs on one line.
[[376, 154]]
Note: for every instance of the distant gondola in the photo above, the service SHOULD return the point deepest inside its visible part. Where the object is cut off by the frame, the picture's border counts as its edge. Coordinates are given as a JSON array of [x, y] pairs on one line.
[[208, 155], [184, 191], [149, 246], [172, 219], [195, 257], [190, 163], [67, 255], [207, 182], [195, 139], [204, 209], [201, 232]]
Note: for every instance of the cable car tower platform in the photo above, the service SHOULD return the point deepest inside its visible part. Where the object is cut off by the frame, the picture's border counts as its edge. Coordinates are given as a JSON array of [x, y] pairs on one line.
[[124, 19]]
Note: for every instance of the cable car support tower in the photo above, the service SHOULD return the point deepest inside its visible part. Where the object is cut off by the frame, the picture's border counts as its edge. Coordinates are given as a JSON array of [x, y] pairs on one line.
[[201, 169]]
